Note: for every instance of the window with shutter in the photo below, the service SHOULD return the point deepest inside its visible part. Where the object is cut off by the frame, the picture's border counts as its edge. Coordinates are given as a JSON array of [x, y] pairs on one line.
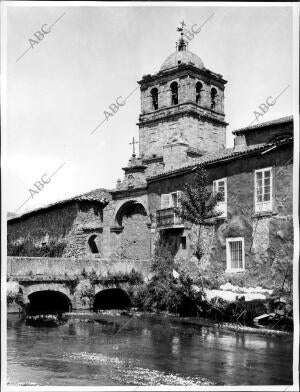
[[179, 194], [263, 190], [169, 200], [173, 199], [221, 186], [165, 197]]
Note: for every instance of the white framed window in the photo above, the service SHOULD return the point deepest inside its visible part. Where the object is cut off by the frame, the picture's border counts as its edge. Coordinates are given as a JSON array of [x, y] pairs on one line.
[[169, 200], [263, 189], [235, 254], [221, 186]]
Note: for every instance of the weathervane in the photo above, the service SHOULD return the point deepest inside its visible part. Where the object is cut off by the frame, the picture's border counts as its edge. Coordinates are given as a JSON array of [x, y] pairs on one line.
[[181, 44], [182, 26]]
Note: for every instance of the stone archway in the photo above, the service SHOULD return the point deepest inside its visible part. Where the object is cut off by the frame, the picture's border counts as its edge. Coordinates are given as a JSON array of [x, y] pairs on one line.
[[48, 301], [48, 297], [112, 298], [134, 242]]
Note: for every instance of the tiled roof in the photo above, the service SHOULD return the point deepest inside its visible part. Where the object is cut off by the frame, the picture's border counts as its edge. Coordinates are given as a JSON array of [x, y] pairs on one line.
[[278, 121], [226, 153], [99, 195]]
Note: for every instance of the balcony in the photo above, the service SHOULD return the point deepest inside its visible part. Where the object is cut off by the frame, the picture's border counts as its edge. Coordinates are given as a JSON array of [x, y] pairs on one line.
[[167, 219]]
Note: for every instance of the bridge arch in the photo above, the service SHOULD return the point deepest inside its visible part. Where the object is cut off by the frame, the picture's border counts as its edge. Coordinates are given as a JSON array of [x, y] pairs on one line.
[[111, 298], [48, 298], [48, 301]]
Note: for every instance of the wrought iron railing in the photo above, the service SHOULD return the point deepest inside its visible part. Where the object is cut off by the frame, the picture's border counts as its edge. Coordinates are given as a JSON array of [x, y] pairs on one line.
[[167, 218]]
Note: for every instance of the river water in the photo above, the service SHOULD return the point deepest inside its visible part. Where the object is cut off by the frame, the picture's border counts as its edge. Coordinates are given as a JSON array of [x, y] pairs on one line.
[[137, 351]]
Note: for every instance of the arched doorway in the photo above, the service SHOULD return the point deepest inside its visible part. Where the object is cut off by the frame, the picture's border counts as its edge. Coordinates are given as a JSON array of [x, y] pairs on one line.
[[111, 299], [48, 301], [134, 243]]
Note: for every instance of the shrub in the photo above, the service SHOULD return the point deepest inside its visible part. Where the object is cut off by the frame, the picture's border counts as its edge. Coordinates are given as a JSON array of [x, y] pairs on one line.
[[85, 291], [245, 312], [171, 295], [14, 293]]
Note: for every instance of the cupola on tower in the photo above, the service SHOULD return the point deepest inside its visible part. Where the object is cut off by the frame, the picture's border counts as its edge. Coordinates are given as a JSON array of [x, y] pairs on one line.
[[183, 98]]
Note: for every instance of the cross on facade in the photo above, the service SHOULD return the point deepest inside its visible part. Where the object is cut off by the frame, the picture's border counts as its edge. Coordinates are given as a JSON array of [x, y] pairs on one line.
[[133, 145]]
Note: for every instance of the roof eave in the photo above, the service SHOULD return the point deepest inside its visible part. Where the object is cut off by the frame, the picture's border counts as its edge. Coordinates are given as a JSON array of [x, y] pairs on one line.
[[236, 155]]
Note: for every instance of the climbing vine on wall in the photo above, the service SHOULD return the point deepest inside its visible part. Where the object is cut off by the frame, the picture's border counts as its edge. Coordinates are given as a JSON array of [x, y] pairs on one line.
[[29, 249]]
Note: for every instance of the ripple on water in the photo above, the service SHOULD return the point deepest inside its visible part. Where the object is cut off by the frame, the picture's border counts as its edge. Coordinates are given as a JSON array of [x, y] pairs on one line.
[[125, 373]]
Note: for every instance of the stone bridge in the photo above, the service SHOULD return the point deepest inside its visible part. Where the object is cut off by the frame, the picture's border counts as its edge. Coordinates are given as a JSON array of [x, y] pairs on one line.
[[68, 284]]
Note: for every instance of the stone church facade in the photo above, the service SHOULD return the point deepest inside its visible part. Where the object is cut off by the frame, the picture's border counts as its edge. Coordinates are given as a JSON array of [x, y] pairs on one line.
[[181, 126]]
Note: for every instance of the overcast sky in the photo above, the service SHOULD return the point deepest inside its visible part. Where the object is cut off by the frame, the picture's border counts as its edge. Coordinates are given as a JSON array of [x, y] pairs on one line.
[[58, 91]]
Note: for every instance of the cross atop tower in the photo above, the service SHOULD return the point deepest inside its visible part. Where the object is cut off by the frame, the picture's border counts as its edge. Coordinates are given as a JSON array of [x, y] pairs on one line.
[[133, 146]]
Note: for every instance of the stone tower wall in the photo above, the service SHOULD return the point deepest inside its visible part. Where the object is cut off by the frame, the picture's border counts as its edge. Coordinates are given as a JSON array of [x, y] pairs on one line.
[[203, 127]]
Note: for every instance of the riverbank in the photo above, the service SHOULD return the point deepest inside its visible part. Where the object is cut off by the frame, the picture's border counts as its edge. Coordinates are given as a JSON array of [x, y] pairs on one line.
[[192, 321]]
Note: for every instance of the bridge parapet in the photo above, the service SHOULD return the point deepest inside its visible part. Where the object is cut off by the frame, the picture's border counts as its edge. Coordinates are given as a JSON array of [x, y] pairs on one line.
[[52, 268]]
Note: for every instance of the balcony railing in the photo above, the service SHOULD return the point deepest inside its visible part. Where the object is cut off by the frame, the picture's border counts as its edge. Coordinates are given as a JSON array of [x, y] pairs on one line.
[[167, 218]]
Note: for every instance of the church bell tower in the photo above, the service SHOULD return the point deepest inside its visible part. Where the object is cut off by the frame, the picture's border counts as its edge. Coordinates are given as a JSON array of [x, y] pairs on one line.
[[184, 99]]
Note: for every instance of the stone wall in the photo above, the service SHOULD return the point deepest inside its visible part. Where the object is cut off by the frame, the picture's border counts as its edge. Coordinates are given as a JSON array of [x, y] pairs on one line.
[[72, 277], [88, 223], [73, 223], [45, 268], [125, 226], [55, 224], [202, 134]]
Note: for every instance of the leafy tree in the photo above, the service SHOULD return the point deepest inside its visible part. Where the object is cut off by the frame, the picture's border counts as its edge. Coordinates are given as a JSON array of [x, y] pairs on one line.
[[198, 205]]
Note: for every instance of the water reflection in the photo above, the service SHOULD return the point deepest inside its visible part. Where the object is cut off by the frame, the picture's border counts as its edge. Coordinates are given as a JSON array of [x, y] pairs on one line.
[[123, 351]]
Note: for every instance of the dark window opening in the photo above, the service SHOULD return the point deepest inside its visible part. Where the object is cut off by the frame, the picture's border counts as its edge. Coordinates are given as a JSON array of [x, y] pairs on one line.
[[154, 95], [92, 244], [183, 242], [213, 95], [174, 93], [199, 88]]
